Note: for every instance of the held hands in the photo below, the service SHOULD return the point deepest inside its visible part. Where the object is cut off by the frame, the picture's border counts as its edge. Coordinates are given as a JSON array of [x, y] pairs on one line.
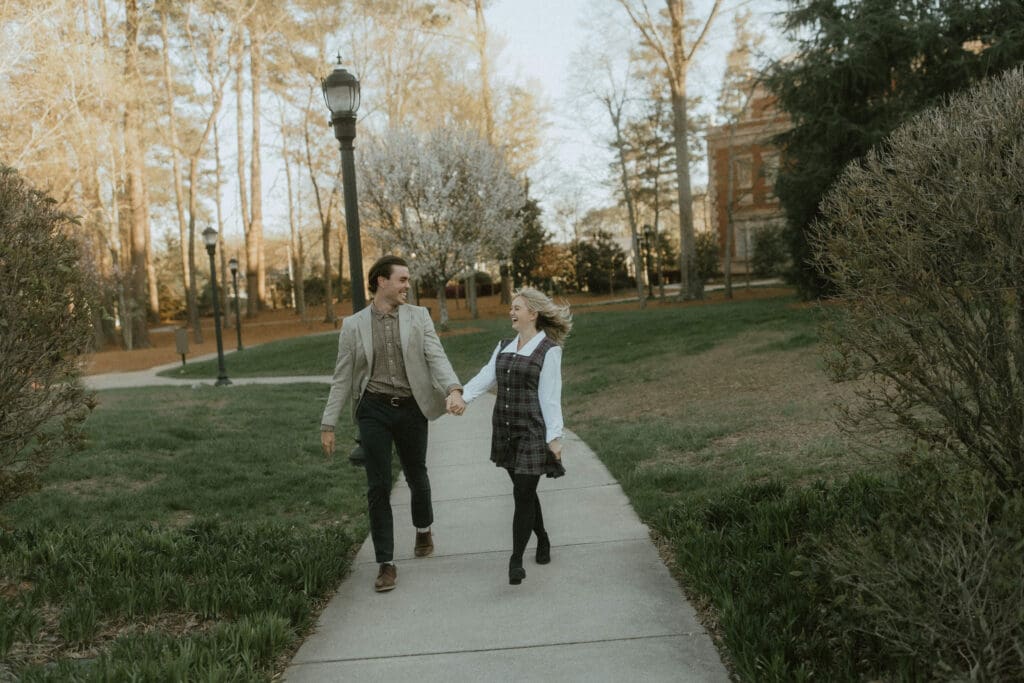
[[556, 447], [454, 403]]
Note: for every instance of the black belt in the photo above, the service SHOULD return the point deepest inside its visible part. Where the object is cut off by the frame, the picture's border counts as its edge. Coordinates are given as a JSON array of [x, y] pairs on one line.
[[393, 401]]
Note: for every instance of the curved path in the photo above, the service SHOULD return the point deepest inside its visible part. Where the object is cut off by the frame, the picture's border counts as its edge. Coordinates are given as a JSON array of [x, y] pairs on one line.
[[605, 609]]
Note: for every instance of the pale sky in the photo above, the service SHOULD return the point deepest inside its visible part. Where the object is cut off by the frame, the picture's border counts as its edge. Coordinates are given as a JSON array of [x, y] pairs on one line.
[[541, 36]]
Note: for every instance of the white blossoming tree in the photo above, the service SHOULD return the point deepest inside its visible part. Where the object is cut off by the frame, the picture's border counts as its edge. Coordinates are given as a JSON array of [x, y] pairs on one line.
[[444, 200]]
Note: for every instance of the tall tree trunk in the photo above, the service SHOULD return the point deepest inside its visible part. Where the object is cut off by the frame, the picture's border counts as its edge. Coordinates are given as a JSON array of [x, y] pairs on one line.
[[329, 315], [486, 102], [225, 286], [135, 316], [300, 272], [729, 223], [154, 287], [325, 234], [193, 181], [677, 61], [690, 286], [505, 284], [255, 176], [442, 306], [471, 295], [294, 239], [251, 251], [105, 334], [620, 146], [217, 170], [485, 79], [185, 236]]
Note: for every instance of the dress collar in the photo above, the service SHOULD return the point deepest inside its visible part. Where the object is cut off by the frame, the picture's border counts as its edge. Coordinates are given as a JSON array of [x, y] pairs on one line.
[[530, 346]]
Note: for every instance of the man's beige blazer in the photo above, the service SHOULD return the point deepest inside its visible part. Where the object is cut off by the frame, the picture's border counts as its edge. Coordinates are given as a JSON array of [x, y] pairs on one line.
[[426, 365]]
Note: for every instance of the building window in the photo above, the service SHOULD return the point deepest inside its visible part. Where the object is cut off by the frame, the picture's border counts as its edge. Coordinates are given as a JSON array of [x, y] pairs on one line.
[[743, 172], [770, 172], [744, 237]]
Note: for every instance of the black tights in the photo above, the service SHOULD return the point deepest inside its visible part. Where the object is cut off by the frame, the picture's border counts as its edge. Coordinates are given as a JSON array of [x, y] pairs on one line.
[[527, 517]]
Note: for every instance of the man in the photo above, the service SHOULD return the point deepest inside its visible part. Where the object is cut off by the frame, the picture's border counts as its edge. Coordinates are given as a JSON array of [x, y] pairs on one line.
[[391, 364]]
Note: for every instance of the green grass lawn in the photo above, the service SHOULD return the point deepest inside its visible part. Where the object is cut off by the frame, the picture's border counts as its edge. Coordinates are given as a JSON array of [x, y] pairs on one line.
[[201, 527], [193, 539]]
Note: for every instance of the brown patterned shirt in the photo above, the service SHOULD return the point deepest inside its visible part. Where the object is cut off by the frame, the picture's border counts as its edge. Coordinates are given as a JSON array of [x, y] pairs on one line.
[[388, 374]]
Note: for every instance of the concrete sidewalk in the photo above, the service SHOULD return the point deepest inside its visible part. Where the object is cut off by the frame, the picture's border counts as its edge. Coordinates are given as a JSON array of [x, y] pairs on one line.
[[149, 378], [605, 609]]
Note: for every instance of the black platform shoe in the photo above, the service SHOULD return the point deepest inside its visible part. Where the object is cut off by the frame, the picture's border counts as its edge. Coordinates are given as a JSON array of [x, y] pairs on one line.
[[516, 573], [543, 549]]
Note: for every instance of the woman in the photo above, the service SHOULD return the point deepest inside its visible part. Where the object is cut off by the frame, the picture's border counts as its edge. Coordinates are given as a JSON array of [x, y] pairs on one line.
[[527, 420]]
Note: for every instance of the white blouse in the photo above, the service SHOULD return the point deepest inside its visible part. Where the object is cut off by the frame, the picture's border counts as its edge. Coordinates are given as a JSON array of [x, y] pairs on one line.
[[549, 388]]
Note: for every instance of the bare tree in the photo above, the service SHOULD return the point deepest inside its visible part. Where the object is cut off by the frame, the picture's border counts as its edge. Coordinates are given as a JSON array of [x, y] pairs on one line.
[[325, 207], [138, 227], [186, 231], [256, 169], [294, 235], [676, 53], [611, 92]]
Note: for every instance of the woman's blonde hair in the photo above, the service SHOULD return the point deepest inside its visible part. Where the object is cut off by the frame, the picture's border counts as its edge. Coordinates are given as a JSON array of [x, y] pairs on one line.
[[553, 319]]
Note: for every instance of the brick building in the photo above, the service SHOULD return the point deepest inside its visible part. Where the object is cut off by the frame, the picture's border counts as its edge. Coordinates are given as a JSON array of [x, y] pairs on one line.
[[755, 160]]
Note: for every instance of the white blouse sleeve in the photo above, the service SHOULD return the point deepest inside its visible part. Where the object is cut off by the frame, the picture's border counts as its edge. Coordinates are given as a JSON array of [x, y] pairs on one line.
[[549, 390], [484, 380]]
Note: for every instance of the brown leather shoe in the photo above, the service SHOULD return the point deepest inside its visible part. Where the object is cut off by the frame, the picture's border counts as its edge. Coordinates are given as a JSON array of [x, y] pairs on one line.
[[386, 578], [424, 544]]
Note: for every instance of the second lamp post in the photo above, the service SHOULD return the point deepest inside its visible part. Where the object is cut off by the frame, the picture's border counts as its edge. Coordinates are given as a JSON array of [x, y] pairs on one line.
[[233, 265], [210, 240], [341, 93]]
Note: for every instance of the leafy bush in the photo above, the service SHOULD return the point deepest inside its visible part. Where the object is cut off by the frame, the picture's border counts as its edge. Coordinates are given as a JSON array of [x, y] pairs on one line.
[[600, 264], [937, 580], [770, 252], [45, 323], [924, 242], [706, 243]]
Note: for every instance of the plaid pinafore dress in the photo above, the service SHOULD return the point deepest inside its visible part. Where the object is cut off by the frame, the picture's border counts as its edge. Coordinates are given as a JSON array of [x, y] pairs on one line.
[[519, 435]]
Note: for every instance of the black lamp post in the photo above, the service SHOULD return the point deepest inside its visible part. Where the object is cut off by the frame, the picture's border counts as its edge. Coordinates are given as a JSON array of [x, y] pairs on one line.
[[210, 240], [233, 265], [648, 238], [341, 93]]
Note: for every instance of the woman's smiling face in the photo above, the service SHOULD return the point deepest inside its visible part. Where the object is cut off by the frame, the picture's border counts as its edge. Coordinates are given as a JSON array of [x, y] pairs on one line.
[[523, 319]]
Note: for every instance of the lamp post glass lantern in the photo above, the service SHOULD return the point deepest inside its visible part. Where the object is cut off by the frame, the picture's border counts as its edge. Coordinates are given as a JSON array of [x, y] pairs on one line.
[[233, 265], [210, 240], [341, 95]]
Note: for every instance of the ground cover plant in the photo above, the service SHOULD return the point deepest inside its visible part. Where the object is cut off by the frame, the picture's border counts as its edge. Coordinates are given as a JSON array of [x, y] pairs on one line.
[[193, 539]]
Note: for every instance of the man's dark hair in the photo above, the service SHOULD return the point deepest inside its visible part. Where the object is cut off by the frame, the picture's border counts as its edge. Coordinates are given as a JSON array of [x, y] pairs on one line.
[[382, 268]]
